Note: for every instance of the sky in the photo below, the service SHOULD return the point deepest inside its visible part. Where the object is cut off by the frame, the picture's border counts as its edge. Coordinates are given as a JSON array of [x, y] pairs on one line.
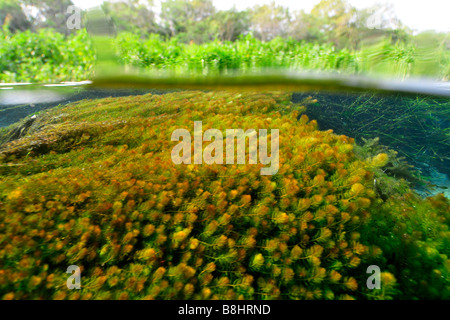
[[418, 15]]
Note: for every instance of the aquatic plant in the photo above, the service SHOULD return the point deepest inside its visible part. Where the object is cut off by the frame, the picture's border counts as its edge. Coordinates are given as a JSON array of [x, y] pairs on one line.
[[415, 239], [396, 176], [97, 188], [416, 127]]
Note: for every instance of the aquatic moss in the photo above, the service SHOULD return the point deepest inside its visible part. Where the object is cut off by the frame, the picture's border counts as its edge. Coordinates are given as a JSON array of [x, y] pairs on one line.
[[104, 194], [415, 240]]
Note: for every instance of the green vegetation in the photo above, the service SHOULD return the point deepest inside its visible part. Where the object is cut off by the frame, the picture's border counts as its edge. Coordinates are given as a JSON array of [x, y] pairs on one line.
[[48, 56], [93, 184], [191, 36], [245, 54], [45, 57]]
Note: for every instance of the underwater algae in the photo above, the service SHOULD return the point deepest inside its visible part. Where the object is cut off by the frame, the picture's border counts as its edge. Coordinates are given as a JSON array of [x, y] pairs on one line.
[[92, 184]]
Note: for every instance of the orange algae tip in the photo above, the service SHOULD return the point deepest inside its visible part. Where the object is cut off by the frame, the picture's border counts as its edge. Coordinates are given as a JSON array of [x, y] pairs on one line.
[[387, 279], [296, 252], [59, 295], [258, 261], [233, 194], [188, 289], [379, 160], [16, 194], [356, 188], [351, 283], [193, 243], [206, 293], [354, 262], [316, 199], [8, 296], [282, 218], [335, 276], [148, 253], [246, 199]]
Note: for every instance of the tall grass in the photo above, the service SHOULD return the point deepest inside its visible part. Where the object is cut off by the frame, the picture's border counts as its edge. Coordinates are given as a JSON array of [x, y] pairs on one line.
[[245, 54], [48, 56], [398, 60]]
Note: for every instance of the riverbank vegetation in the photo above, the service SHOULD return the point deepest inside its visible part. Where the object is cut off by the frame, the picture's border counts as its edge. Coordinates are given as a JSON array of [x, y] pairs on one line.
[[195, 37]]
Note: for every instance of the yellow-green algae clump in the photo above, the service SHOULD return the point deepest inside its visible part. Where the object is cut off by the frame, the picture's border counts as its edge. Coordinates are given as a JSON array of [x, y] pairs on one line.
[[97, 188]]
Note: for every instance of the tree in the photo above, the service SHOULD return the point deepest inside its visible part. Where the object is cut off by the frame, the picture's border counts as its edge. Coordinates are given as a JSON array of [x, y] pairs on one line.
[[269, 21], [175, 15], [380, 21], [306, 27], [337, 20], [189, 20], [202, 9], [12, 16], [231, 24], [132, 15], [48, 13]]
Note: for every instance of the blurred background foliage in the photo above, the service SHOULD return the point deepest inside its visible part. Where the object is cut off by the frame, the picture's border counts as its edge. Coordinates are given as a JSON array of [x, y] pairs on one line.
[[192, 35]]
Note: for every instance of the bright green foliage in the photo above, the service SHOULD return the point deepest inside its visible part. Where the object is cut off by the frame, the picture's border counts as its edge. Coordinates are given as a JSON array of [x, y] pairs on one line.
[[45, 57], [244, 54], [48, 56], [105, 195]]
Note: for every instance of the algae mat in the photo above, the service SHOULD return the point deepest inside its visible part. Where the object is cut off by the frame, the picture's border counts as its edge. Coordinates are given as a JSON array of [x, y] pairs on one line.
[[93, 185]]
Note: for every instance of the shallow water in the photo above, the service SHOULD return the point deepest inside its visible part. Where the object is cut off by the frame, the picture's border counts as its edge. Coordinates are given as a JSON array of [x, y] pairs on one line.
[[90, 180], [410, 117]]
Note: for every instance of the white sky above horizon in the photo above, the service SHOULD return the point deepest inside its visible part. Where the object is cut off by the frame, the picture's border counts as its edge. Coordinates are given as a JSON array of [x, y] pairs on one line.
[[419, 15]]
